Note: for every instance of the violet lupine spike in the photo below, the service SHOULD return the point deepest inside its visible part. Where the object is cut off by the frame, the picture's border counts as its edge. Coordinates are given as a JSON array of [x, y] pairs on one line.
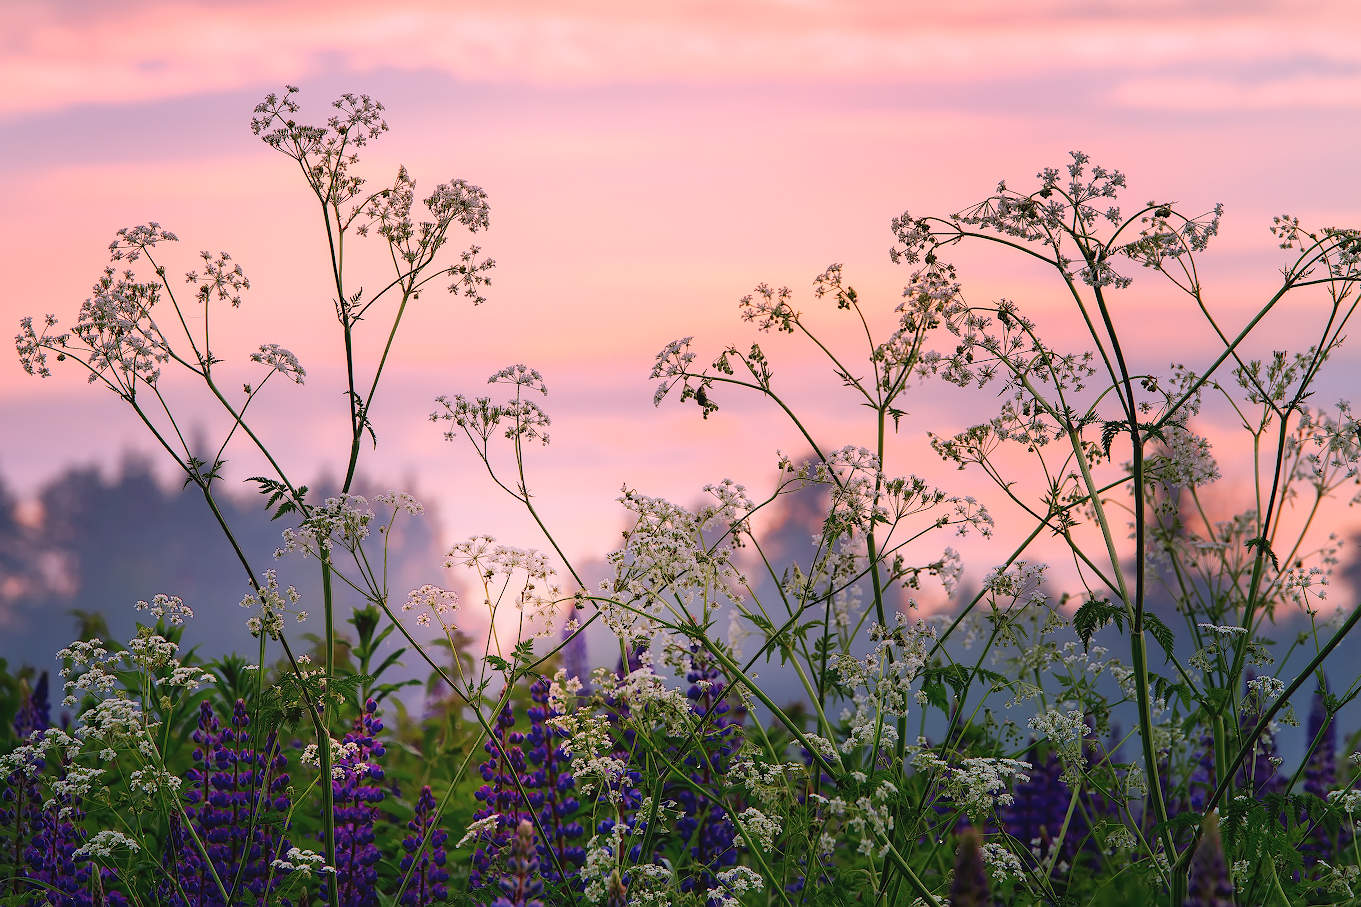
[[356, 794], [1039, 805], [522, 884], [235, 798], [1200, 786], [499, 796], [1209, 882], [970, 886], [35, 711], [21, 800], [1320, 777], [426, 864], [703, 823], [551, 788], [616, 892], [51, 862]]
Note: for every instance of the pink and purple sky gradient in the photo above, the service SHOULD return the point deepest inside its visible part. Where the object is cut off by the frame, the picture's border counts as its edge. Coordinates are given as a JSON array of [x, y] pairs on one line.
[[647, 164]]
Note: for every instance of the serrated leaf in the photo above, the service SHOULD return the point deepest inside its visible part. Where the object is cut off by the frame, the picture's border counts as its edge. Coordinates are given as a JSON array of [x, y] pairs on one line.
[[1265, 546], [1160, 632]]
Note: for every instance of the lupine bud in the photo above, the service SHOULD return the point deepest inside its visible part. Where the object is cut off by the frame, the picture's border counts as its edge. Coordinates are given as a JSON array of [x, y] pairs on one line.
[[1209, 884], [616, 894], [522, 885], [970, 887]]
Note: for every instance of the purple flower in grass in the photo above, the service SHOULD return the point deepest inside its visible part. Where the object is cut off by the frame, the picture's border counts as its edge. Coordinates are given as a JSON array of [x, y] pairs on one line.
[[522, 884], [1320, 777], [551, 787], [357, 791], [425, 863], [35, 710], [704, 823], [504, 773], [1039, 805], [235, 797], [1209, 882], [970, 886], [21, 799]]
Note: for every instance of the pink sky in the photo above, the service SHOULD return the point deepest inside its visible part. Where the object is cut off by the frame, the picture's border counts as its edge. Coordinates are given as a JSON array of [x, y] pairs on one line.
[[647, 164]]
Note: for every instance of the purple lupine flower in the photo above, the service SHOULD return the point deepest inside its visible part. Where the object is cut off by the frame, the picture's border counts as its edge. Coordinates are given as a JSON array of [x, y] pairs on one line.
[[503, 774], [1320, 777], [356, 794], [704, 823], [522, 884], [1201, 785], [35, 711], [235, 797], [51, 861], [616, 892], [1039, 805], [970, 886], [1209, 883], [426, 864], [21, 799], [550, 786]]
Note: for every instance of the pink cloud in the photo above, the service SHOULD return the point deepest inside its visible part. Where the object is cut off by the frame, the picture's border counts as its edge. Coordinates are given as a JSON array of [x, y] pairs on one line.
[[163, 50]]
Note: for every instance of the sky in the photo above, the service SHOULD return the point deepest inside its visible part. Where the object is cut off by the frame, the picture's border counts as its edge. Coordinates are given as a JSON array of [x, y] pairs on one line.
[[647, 164]]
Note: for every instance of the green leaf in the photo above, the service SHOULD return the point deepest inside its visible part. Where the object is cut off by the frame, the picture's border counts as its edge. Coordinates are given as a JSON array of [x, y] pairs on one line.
[[1093, 615], [1161, 632], [1265, 546]]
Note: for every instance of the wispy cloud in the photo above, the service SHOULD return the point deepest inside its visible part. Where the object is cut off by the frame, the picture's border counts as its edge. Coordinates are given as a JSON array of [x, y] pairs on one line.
[[71, 54]]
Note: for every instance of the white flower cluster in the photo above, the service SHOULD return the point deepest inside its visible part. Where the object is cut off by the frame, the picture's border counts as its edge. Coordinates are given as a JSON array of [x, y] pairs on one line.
[[733, 883], [979, 784], [306, 862], [479, 418], [102, 844], [881, 682], [272, 604], [1066, 731], [521, 573], [665, 553], [221, 277], [170, 608], [340, 522], [280, 360], [431, 600]]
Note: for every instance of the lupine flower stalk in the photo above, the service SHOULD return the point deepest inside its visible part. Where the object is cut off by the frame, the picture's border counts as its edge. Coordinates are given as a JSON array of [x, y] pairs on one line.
[[1320, 777], [551, 787], [970, 886], [503, 773], [1209, 883], [357, 795], [21, 800], [425, 863], [704, 823], [235, 794], [522, 884]]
